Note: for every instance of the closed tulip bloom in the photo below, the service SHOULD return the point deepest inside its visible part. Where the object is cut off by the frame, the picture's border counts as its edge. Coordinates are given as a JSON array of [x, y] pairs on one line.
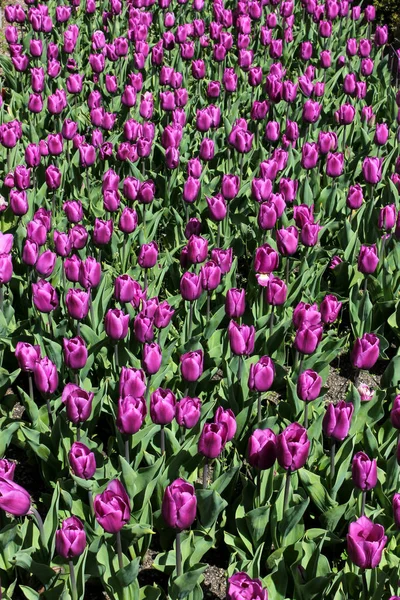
[[223, 258], [309, 155], [163, 315], [19, 202], [261, 376], [187, 412], [131, 414], [372, 170], [261, 449], [77, 302], [309, 234], [305, 315], [217, 207], [72, 267], [241, 338], [27, 356], [75, 353], [287, 240], [213, 439], [364, 472], [387, 217], [192, 365], [365, 543], [345, 115], [210, 276], [334, 164], [330, 308], [266, 259], [227, 417], [275, 290], [292, 446], [112, 507], [235, 303], [365, 351], [354, 197], [396, 516], [368, 259], [307, 338], [45, 297], [102, 231], [82, 461], [337, 420], [152, 358], [36, 232], [14, 499], [132, 382], [381, 134], [311, 111], [78, 403], [46, 376], [240, 585], [395, 413], [89, 273], [148, 255], [267, 216], [309, 385], [179, 505], [71, 538], [45, 263], [162, 406], [327, 142], [116, 324], [261, 189], [230, 186]]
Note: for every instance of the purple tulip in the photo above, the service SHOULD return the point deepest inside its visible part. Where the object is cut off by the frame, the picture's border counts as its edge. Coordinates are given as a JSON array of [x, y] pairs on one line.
[[71, 538], [368, 259], [337, 420], [131, 414], [309, 385], [365, 351], [241, 338], [78, 403], [330, 308], [240, 585], [292, 446], [46, 376], [262, 373], [75, 353], [261, 449], [179, 505], [162, 406], [192, 365], [112, 507], [116, 324], [27, 356], [14, 499], [365, 543], [187, 412], [364, 472], [82, 461], [213, 439]]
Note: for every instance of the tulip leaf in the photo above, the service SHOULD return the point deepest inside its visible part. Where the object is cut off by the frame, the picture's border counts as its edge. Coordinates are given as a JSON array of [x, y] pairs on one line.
[[128, 574], [184, 584], [50, 523], [313, 486], [292, 517], [209, 505]]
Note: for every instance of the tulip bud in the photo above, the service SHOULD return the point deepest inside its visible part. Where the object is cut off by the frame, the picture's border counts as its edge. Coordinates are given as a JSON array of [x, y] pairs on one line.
[[162, 406], [213, 439], [179, 505], [261, 449], [82, 461], [112, 507], [364, 472], [131, 414], [337, 420], [75, 353], [71, 538], [187, 412], [292, 446]]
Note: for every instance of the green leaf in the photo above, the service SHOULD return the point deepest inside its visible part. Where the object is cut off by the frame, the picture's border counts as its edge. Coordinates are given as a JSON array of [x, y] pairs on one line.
[[314, 488], [185, 583], [292, 517], [128, 574], [210, 505]]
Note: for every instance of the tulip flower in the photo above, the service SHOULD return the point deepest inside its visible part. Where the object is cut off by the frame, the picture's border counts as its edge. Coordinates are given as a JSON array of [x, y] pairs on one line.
[[292, 448], [187, 412], [82, 461], [396, 510], [240, 585], [364, 475], [112, 507], [192, 365], [7, 469], [261, 449], [365, 351], [14, 499], [365, 543]]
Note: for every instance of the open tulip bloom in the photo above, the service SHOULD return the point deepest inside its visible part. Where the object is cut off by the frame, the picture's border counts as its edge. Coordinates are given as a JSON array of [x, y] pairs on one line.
[[199, 219]]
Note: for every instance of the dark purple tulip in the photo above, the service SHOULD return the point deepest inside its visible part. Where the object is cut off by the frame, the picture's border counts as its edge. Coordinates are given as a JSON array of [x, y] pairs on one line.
[[77, 302], [71, 538], [162, 406], [365, 351], [235, 303], [187, 412], [131, 414], [241, 338], [75, 353], [394, 413], [179, 505], [78, 403], [213, 439], [82, 461], [364, 471], [152, 358], [365, 543], [368, 259], [330, 308], [261, 449], [27, 356], [309, 385], [227, 417], [46, 376], [112, 507], [292, 446], [14, 499], [262, 373], [307, 338], [337, 420], [192, 365], [116, 324]]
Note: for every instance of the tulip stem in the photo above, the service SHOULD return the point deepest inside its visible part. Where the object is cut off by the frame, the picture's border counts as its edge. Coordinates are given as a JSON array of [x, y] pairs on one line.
[[363, 499], [49, 412], [30, 387], [127, 458], [306, 415], [90, 498], [208, 305], [116, 356], [259, 487], [39, 523], [119, 550], [218, 234], [287, 491], [364, 584], [205, 474], [178, 554], [332, 466], [240, 370], [287, 270], [1, 298], [162, 440], [78, 433], [271, 320], [259, 407], [357, 378], [190, 319], [91, 309], [73, 581]]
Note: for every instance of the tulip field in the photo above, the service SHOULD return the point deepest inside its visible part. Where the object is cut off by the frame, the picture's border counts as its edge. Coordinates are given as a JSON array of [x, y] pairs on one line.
[[199, 301]]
